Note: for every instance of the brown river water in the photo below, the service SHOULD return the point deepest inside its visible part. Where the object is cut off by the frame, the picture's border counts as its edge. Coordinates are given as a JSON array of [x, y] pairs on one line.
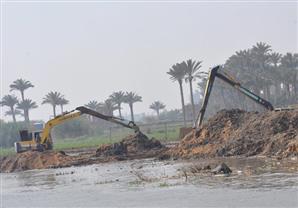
[[150, 183]]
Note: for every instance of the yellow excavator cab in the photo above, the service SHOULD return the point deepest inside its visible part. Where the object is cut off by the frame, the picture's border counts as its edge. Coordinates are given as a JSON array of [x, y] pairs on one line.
[[29, 141]]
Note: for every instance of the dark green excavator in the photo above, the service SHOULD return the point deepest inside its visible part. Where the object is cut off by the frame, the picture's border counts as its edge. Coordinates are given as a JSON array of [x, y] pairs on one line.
[[214, 72]]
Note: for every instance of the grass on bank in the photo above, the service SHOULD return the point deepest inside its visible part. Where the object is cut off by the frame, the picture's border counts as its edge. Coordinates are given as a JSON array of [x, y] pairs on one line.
[[85, 142]]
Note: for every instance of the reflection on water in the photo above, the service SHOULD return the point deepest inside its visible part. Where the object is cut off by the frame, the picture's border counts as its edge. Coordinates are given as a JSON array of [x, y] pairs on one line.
[[127, 177], [42, 179], [263, 174], [260, 182]]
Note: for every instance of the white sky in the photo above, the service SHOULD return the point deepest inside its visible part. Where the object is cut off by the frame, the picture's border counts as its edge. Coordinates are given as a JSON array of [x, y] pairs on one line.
[[88, 50]]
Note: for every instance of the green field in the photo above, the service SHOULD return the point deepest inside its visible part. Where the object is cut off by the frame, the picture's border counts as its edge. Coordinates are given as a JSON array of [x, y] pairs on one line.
[[116, 135]]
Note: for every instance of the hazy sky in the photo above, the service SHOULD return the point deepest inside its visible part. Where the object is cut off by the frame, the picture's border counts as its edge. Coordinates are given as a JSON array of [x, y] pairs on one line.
[[88, 50]]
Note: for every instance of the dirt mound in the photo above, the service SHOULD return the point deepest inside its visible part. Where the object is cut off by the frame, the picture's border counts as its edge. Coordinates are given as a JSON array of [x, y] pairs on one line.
[[34, 160], [131, 145], [236, 132]]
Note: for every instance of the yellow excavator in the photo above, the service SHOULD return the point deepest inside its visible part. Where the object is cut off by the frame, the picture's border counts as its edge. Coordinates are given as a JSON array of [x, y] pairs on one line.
[[42, 140], [215, 73]]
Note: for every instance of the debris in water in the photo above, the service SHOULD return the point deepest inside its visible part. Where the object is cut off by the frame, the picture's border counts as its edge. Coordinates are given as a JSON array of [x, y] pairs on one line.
[[221, 169]]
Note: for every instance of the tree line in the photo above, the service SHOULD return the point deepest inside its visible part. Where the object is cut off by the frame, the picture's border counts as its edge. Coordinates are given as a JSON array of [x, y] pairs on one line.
[[269, 74], [115, 101], [108, 106], [22, 107], [272, 75]]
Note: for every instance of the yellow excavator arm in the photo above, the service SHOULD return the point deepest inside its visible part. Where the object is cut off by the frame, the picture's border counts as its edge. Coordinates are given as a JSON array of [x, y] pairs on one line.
[[46, 133]]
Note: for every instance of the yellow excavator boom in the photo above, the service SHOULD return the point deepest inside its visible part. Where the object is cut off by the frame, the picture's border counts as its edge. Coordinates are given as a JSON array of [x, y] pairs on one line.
[[42, 140]]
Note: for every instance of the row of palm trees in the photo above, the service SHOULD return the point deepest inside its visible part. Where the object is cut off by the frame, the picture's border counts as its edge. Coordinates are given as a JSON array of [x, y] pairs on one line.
[[186, 71], [23, 106], [55, 99], [114, 102], [270, 74], [16, 106], [267, 73]]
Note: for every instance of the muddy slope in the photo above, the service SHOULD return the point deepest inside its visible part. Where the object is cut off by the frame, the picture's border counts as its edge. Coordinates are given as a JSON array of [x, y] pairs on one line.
[[236, 132], [132, 147], [34, 160]]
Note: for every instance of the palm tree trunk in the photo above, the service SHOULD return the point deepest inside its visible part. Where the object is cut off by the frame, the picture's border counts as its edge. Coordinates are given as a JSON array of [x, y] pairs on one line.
[[192, 101], [131, 112], [61, 108], [54, 110], [268, 91], [157, 112], [26, 114], [119, 109], [22, 95], [277, 91], [288, 90], [13, 114], [182, 102]]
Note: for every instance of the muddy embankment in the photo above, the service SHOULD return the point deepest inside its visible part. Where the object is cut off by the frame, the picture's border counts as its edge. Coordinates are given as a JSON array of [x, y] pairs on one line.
[[131, 147], [240, 133], [228, 133]]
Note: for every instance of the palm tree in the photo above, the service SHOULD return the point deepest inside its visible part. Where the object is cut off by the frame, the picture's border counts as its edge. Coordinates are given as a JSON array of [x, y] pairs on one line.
[[289, 65], [177, 73], [53, 99], [275, 58], [62, 101], [243, 58], [94, 105], [21, 85], [202, 85], [290, 61], [260, 53], [130, 99], [118, 98], [10, 101], [191, 68], [26, 106], [108, 107], [157, 106], [15, 112]]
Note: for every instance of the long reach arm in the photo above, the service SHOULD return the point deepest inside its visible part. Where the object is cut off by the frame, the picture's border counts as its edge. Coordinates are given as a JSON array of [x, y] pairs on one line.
[[226, 78], [46, 134]]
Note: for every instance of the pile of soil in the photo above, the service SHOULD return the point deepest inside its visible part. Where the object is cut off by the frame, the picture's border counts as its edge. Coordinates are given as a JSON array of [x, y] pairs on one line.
[[131, 145], [34, 160], [236, 132]]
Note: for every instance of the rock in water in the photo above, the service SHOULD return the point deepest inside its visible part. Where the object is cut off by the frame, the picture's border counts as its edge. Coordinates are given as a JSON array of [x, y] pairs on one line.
[[222, 169]]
